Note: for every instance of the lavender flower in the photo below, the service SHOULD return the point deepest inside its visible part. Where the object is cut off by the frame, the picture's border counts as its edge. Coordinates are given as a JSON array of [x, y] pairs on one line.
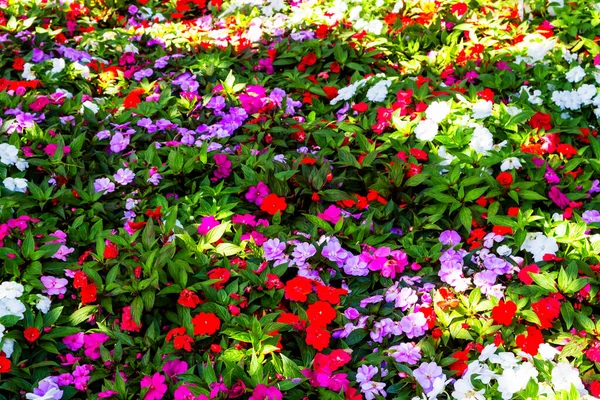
[[124, 176], [414, 325], [426, 374], [590, 216], [273, 249], [103, 185], [405, 353]]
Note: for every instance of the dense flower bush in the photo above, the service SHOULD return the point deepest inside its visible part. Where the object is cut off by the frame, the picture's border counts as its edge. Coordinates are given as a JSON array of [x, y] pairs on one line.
[[299, 199]]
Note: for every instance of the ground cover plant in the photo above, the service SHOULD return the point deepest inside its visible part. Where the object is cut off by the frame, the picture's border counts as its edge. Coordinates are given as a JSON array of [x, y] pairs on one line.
[[299, 199]]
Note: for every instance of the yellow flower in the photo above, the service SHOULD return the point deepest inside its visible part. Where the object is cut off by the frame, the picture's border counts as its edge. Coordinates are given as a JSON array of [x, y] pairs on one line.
[[428, 7]]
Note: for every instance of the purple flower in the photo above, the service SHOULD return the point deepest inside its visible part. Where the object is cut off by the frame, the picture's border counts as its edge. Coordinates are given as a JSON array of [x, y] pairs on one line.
[[450, 238], [273, 249], [223, 166], [371, 389], [371, 300], [351, 313], [405, 353], [331, 214], [64, 379], [414, 325], [426, 374], [558, 197], [365, 373], [54, 286], [47, 389], [207, 224], [124, 176], [355, 266], [186, 82], [590, 216], [302, 252], [263, 392], [333, 251], [156, 386], [63, 252], [81, 376], [595, 187], [118, 142], [107, 394], [103, 185]]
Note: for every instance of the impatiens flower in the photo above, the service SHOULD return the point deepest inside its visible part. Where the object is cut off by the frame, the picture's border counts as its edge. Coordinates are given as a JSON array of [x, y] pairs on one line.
[[124, 176], [74, 342], [317, 337], [263, 392], [156, 386], [426, 374], [63, 252], [222, 274], [320, 313], [564, 375], [187, 298], [104, 185], [414, 325], [531, 342], [331, 214], [127, 322], [15, 184], [296, 289], [11, 290], [206, 323], [207, 224], [505, 178], [504, 312], [273, 204], [54, 286], [426, 130], [524, 273], [31, 334]]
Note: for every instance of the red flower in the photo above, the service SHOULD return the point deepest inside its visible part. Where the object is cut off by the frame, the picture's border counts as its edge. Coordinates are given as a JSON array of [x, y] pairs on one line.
[[297, 288], [273, 281], [504, 312], [541, 121], [330, 294], [133, 99], [335, 67], [530, 343], [136, 226], [330, 91], [31, 334], [111, 251], [502, 230], [206, 323], [419, 154], [430, 317], [187, 298], [513, 211], [273, 203], [288, 318], [547, 309], [222, 274], [317, 337], [4, 365], [80, 280], [566, 150], [154, 214], [505, 178], [18, 64], [320, 313], [127, 323], [181, 339], [360, 107], [309, 59], [88, 294], [524, 273], [459, 9]]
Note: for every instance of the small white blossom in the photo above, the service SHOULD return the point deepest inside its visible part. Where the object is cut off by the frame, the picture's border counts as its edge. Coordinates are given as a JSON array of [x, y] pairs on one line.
[[576, 74], [426, 130]]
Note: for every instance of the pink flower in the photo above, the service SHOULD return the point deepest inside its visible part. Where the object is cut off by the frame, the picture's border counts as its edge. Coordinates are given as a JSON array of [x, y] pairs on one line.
[[184, 393], [175, 367], [107, 394], [63, 252], [331, 214], [156, 386]]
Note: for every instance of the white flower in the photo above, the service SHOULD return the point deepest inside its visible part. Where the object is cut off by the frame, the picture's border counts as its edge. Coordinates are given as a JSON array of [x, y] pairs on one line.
[[12, 307], [83, 70], [437, 111], [538, 245], [130, 48], [547, 352], [90, 106], [444, 154], [43, 303], [426, 130], [2, 329], [505, 359], [9, 154], [15, 184], [58, 64], [553, 5], [438, 387], [21, 164], [586, 93], [8, 347], [482, 140], [512, 110], [28, 74], [576, 74], [355, 13], [504, 251], [11, 290], [564, 375], [506, 383], [510, 163], [375, 27], [464, 390], [379, 91], [482, 109], [51, 394]]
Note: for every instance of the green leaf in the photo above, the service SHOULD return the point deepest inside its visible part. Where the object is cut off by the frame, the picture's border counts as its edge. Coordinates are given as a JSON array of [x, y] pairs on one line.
[[466, 218], [82, 314], [544, 281]]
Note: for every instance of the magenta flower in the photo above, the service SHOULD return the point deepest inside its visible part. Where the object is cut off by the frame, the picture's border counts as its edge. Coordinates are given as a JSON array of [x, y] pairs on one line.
[[207, 224], [92, 344], [175, 367], [263, 392], [331, 214], [257, 193], [223, 166], [54, 286], [107, 394], [558, 197], [74, 342], [156, 386], [184, 393]]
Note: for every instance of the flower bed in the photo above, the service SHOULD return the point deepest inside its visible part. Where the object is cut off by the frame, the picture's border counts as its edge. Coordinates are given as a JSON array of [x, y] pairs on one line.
[[269, 199]]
